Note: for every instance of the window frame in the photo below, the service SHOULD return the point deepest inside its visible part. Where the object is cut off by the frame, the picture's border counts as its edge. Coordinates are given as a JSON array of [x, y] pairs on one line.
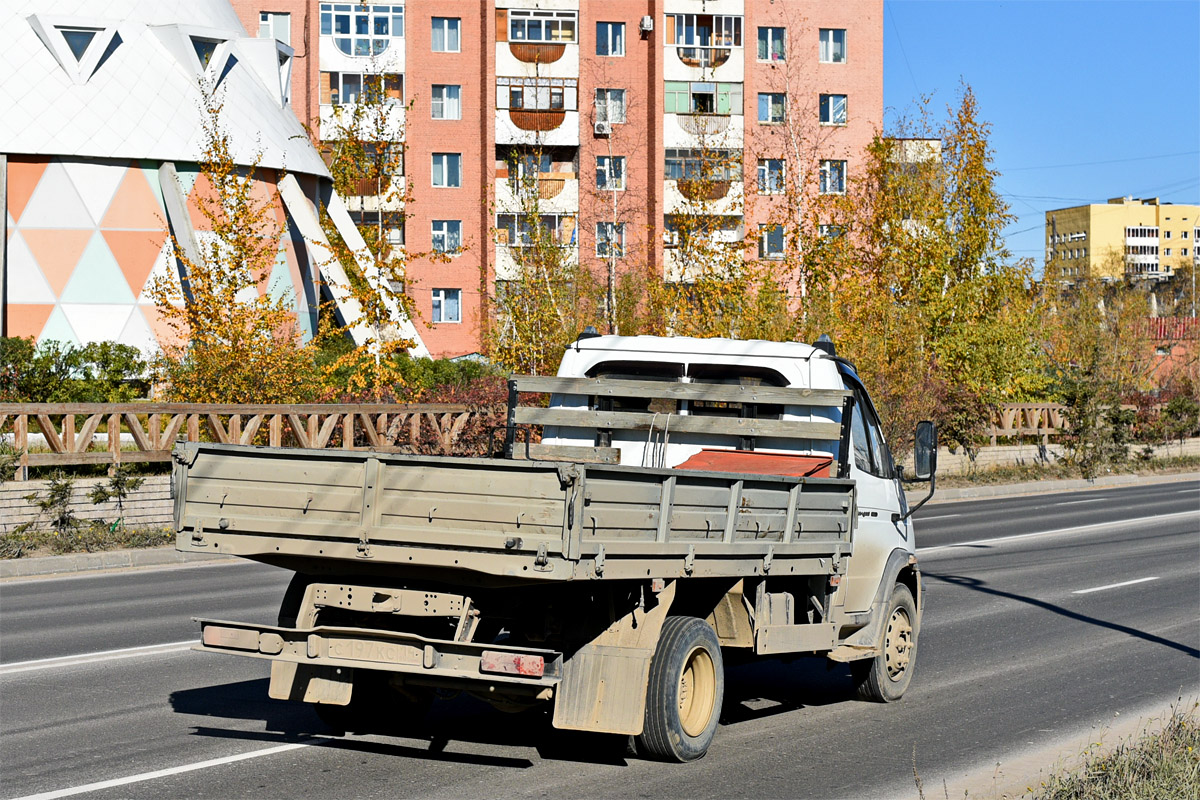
[[447, 235], [828, 170], [435, 101], [609, 94], [446, 161], [604, 166], [768, 185], [613, 231], [770, 105], [438, 306], [609, 29], [827, 106], [831, 46], [766, 233], [446, 29], [347, 41], [525, 16], [769, 38]]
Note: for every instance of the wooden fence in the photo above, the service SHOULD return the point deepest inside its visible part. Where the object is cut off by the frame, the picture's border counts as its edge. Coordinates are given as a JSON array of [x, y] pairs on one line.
[[71, 433]]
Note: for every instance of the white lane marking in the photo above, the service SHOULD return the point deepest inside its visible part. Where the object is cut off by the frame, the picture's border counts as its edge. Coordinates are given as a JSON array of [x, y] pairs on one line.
[[163, 773], [1058, 531], [89, 658], [1073, 502], [924, 518], [1114, 585]]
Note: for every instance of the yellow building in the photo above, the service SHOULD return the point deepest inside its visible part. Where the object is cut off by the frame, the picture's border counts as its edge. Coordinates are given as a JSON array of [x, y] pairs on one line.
[[1141, 238]]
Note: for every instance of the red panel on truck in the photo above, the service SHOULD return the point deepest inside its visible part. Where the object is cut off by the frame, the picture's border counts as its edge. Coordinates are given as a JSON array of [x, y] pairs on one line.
[[754, 462]]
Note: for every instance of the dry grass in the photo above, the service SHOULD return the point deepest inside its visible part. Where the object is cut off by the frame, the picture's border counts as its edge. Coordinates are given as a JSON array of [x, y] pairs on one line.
[[88, 537], [1029, 473], [1163, 764]]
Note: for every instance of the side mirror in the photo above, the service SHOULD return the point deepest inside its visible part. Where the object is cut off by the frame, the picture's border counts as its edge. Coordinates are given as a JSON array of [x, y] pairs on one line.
[[925, 451]]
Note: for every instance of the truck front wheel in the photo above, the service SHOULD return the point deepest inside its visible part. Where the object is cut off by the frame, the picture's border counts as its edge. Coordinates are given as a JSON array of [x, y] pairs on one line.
[[885, 678], [684, 692]]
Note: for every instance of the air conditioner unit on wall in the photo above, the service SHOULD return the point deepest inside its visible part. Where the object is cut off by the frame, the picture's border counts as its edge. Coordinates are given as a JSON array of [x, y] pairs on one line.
[[646, 25], [602, 128]]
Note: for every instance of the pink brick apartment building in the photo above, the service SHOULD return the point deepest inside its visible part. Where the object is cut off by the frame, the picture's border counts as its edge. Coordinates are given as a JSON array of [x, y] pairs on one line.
[[617, 95]]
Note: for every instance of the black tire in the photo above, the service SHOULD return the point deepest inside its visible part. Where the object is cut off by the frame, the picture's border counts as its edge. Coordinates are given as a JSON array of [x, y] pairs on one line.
[[885, 678], [289, 608], [685, 691], [377, 707]]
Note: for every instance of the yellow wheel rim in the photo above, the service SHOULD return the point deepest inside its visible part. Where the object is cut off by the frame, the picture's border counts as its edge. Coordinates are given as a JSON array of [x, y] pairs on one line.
[[697, 691]]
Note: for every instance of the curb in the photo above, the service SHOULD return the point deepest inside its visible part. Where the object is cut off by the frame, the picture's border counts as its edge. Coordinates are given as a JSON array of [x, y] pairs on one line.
[[94, 562], [166, 556], [1050, 487]]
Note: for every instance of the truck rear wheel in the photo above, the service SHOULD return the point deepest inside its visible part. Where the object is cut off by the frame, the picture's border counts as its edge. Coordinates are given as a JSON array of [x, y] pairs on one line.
[[885, 678], [684, 692]]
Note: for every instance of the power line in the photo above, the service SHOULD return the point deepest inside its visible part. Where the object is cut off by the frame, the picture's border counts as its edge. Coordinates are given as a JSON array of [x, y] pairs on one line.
[[1109, 161], [899, 41]]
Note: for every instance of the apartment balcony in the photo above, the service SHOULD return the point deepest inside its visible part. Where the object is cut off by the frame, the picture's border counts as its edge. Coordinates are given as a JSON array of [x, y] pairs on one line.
[[508, 259], [537, 127], [365, 197], [335, 118], [537, 52], [703, 130], [704, 64], [554, 193], [717, 197]]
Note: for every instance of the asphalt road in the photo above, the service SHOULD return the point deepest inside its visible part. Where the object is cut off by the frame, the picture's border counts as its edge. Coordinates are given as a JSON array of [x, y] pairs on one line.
[[1045, 615]]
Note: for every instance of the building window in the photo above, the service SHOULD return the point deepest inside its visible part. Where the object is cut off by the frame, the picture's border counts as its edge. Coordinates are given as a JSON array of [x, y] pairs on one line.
[[1166, 234], [361, 29], [445, 34], [770, 176], [833, 45], [447, 170], [537, 94], [347, 88], [1183, 251], [833, 177], [1166, 251], [833, 109], [703, 40], [610, 239], [447, 235], [714, 164], [446, 101], [702, 97], [275, 25], [770, 44], [830, 231], [610, 105], [770, 107], [517, 230], [610, 173], [770, 241], [395, 236], [542, 26], [447, 305], [610, 38]]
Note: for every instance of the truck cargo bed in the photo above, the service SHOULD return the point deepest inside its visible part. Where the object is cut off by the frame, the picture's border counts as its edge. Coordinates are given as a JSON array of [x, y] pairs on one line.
[[504, 520]]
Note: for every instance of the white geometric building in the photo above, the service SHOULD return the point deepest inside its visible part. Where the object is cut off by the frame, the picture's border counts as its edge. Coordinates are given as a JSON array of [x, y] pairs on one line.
[[100, 134]]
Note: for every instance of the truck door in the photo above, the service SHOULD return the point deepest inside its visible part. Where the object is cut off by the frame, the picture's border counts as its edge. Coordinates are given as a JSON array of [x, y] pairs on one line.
[[878, 498]]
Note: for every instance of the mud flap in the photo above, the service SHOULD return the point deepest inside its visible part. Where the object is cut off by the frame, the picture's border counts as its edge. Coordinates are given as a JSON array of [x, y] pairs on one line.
[[604, 682], [311, 683]]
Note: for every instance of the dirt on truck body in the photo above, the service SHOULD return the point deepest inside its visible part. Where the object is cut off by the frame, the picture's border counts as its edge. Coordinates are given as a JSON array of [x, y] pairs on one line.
[[659, 522]]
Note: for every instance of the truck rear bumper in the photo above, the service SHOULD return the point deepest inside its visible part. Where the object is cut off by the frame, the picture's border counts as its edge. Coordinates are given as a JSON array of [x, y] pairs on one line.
[[388, 651]]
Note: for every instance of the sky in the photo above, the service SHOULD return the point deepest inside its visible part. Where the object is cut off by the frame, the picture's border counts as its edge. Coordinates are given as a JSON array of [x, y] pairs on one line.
[[1088, 99]]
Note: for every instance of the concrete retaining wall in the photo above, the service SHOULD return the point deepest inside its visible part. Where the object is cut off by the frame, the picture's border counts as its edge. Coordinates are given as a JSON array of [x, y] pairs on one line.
[[1017, 455], [149, 506]]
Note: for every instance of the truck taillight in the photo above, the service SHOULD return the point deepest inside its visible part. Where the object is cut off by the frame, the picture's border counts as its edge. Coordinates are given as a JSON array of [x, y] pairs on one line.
[[512, 664]]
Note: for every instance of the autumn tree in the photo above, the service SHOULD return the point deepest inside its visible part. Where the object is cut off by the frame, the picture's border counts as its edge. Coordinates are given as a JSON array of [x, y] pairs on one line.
[[365, 148], [233, 340]]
